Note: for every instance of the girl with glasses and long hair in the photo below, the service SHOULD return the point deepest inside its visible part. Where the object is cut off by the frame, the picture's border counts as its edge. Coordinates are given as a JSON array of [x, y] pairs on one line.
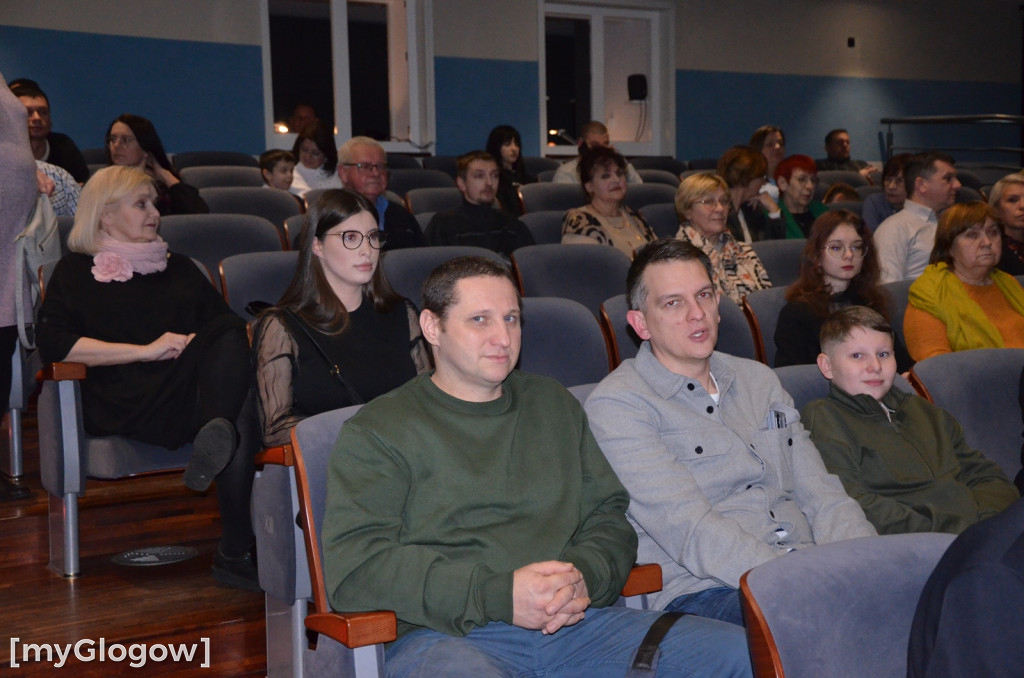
[[340, 335], [839, 268]]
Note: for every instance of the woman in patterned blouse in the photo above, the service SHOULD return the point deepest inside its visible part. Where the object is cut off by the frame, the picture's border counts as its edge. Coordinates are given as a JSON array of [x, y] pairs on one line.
[[605, 219], [703, 203]]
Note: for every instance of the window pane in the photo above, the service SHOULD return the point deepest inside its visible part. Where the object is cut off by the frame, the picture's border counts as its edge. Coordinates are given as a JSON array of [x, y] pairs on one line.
[[368, 70], [300, 51], [627, 51], [567, 64]]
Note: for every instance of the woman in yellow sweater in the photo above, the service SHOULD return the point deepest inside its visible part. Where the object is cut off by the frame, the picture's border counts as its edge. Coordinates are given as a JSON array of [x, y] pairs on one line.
[[962, 301]]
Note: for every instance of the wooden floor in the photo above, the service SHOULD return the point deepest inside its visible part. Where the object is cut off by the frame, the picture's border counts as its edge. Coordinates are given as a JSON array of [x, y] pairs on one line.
[[164, 605]]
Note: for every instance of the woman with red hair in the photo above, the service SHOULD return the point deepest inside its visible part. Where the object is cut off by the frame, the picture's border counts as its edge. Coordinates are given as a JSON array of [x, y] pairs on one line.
[[797, 177]]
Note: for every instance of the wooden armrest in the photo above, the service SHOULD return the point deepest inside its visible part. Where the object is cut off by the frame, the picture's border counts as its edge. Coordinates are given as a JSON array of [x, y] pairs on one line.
[[282, 455], [355, 629], [643, 579], [62, 372]]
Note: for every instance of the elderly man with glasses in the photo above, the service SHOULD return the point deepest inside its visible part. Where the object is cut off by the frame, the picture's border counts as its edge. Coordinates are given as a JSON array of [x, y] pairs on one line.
[[363, 168]]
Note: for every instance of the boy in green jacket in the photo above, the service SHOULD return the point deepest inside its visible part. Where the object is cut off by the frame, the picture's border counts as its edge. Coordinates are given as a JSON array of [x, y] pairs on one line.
[[904, 459]]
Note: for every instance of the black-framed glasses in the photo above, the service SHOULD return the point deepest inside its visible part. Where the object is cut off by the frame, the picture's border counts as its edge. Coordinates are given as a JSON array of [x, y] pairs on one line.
[[837, 250], [368, 167], [353, 239]]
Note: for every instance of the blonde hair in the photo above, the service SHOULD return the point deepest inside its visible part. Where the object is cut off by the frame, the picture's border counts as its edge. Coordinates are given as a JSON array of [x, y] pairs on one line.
[[996, 192], [104, 188], [694, 188]]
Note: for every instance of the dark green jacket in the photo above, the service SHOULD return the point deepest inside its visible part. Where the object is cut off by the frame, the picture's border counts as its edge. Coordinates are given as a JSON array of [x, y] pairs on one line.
[[911, 470]]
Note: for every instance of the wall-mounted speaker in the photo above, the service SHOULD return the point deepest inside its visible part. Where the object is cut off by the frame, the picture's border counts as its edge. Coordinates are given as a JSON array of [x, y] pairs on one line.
[[636, 84]]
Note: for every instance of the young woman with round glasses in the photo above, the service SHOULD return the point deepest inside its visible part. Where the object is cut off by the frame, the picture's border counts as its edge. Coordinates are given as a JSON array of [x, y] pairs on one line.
[[839, 268], [340, 335]]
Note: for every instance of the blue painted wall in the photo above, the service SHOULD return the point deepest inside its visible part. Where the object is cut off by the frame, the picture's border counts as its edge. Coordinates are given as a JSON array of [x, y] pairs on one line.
[[473, 96], [715, 110], [199, 95]]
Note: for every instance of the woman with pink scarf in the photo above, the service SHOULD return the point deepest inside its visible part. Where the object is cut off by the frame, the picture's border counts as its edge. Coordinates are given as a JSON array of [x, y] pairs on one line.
[[168, 360]]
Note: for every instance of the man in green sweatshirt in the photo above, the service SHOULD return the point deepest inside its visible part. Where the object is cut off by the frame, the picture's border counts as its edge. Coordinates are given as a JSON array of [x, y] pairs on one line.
[[475, 503]]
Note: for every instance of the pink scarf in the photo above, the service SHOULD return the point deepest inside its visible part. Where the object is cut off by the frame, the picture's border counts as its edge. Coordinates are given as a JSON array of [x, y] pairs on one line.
[[119, 261]]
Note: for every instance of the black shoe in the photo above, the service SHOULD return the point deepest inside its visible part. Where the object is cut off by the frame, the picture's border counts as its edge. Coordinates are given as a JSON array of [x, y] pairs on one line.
[[212, 450], [239, 572]]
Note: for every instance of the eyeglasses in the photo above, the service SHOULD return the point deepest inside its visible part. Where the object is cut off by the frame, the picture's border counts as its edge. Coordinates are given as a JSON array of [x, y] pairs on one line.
[[352, 240], [368, 167], [117, 140], [710, 203], [837, 250]]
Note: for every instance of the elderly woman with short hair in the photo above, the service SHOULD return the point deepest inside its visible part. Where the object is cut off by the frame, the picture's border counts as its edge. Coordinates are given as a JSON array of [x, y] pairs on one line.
[[962, 301], [703, 203], [168, 360]]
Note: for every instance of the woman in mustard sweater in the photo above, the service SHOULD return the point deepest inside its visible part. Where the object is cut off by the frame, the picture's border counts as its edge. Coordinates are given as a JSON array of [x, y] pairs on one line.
[[962, 301]]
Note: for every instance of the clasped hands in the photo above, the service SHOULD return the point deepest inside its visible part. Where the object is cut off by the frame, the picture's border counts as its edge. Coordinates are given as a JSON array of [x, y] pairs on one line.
[[549, 595], [167, 346]]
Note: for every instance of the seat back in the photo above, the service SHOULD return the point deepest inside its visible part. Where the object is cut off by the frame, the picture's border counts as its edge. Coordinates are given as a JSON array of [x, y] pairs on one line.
[[781, 258], [534, 164], [762, 310], [981, 389], [659, 176], [398, 161], [838, 610], [857, 206], [664, 163], [640, 195], [444, 163], [588, 274], [293, 230], [898, 296], [407, 268], [623, 343], [734, 335], [806, 383], [562, 340], [187, 159], [829, 177], [865, 191], [274, 206], [545, 227], [205, 176], [662, 218], [437, 199], [256, 276], [401, 181], [213, 237], [548, 196]]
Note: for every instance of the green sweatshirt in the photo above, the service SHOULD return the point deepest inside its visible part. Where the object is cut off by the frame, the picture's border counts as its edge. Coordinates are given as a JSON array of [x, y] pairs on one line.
[[910, 468], [433, 502]]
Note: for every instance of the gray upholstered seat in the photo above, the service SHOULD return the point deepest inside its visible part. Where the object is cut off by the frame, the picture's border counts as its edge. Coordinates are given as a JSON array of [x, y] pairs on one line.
[[256, 277], [588, 274], [432, 199], [545, 226], [407, 268], [198, 158], [762, 310], [980, 388], [205, 176], [838, 610], [401, 181], [662, 218], [562, 340], [781, 258], [274, 206], [639, 195], [549, 196]]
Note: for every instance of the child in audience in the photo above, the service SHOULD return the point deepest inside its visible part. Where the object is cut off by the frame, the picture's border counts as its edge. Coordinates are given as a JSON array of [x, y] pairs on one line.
[[278, 168], [904, 459]]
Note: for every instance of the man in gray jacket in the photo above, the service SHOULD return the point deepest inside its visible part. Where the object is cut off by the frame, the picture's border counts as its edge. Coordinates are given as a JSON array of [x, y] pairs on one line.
[[721, 475]]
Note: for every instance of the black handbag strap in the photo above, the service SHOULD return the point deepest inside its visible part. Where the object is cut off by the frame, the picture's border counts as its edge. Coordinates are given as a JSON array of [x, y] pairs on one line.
[[335, 370], [645, 661]]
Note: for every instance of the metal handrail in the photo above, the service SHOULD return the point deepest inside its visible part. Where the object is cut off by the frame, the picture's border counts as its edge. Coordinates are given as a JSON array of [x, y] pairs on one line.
[[991, 118]]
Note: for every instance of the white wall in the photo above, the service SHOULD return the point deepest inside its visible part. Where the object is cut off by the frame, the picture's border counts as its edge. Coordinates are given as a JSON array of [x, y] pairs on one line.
[[491, 29]]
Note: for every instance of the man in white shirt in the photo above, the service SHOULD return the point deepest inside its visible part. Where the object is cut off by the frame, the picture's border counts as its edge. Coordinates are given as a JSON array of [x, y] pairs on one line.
[[904, 241]]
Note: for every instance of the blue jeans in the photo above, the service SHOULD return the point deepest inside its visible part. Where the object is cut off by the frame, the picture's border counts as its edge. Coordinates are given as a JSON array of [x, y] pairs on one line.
[[603, 644], [721, 603]]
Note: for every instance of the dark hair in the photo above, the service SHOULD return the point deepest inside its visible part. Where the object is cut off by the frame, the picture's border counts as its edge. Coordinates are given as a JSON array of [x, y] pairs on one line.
[[834, 132], [843, 190], [309, 295], [811, 288], [463, 161], [666, 249], [501, 135], [956, 219], [761, 133], [922, 165], [269, 159], [895, 165], [838, 326], [600, 157], [321, 135], [146, 136], [741, 164], [439, 287], [23, 87], [788, 165], [590, 128]]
